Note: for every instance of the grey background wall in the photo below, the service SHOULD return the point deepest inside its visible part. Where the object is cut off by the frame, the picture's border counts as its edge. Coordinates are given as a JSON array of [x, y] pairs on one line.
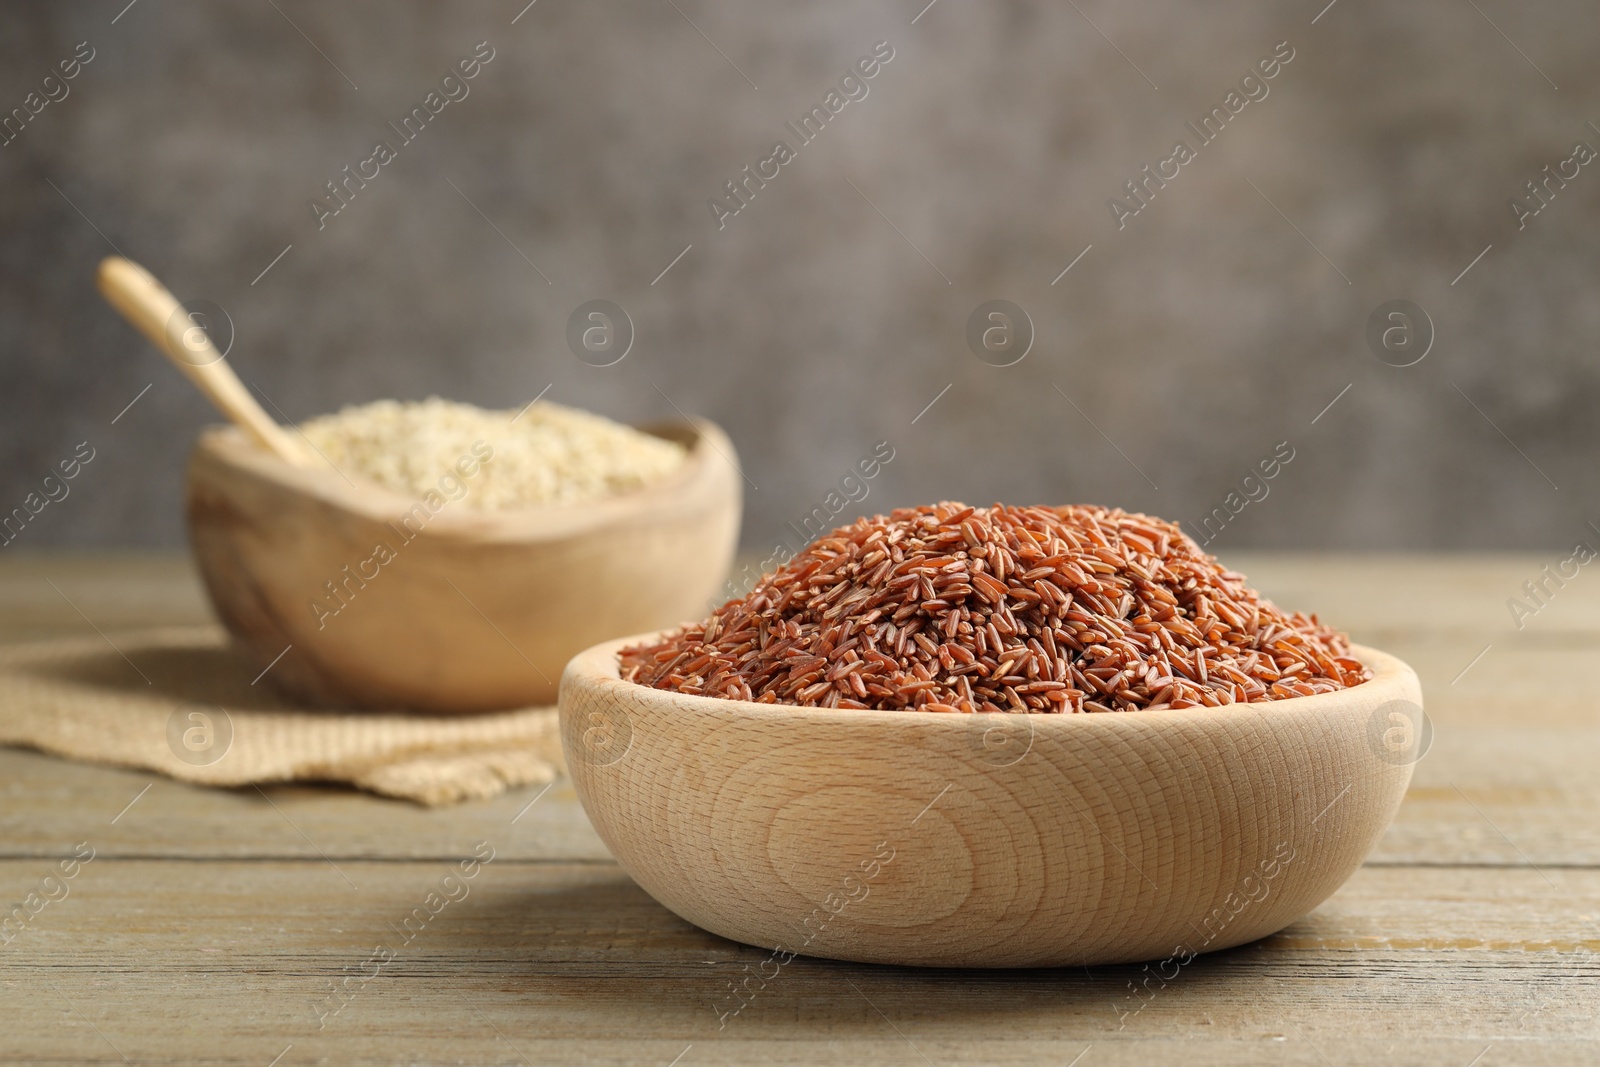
[[825, 316]]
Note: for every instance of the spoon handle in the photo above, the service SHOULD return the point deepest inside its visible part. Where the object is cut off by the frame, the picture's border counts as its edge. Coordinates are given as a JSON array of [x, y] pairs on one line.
[[156, 313]]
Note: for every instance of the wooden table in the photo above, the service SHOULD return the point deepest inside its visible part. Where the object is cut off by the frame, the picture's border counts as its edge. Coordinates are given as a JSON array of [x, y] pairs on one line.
[[211, 925]]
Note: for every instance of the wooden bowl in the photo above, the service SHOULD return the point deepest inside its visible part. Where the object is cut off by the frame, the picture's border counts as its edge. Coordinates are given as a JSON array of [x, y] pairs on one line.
[[473, 611], [991, 840]]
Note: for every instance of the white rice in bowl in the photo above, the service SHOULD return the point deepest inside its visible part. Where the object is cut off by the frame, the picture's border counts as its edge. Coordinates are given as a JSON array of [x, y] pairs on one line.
[[550, 455]]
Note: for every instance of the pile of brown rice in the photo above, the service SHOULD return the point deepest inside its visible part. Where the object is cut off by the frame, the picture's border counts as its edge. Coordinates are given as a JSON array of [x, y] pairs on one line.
[[545, 454], [1004, 609]]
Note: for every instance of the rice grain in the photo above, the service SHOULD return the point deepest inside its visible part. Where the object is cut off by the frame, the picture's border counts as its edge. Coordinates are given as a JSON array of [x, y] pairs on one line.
[[955, 609], [550, 454]]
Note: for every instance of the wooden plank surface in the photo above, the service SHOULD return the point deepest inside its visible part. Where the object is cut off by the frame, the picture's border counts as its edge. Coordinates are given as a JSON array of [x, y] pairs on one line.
[[573, 963], [210, 924]]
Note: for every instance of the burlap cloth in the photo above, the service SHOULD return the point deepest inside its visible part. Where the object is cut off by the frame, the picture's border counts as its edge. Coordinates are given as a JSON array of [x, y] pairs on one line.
[[180, 701]]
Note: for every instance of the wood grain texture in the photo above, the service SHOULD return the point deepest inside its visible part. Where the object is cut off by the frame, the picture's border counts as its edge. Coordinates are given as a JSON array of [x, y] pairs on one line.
[[210, 918], [59, 594], [47, 803], [912, 837], [560, 963], [1440, 595], [436, 608]]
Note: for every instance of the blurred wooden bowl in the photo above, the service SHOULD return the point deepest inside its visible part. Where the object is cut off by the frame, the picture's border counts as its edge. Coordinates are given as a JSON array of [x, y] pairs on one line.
[[993, 840], [475, 611]]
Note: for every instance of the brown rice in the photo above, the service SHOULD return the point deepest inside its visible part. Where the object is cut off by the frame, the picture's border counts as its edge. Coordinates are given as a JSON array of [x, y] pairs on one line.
[[951, 608]]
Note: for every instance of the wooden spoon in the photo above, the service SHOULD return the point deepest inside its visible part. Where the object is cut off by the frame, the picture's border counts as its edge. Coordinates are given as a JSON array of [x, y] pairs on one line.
[[156, 313]]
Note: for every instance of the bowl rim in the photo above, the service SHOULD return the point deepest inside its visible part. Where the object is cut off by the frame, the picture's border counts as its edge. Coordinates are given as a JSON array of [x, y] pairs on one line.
[[1392, 678], [706, 443]]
